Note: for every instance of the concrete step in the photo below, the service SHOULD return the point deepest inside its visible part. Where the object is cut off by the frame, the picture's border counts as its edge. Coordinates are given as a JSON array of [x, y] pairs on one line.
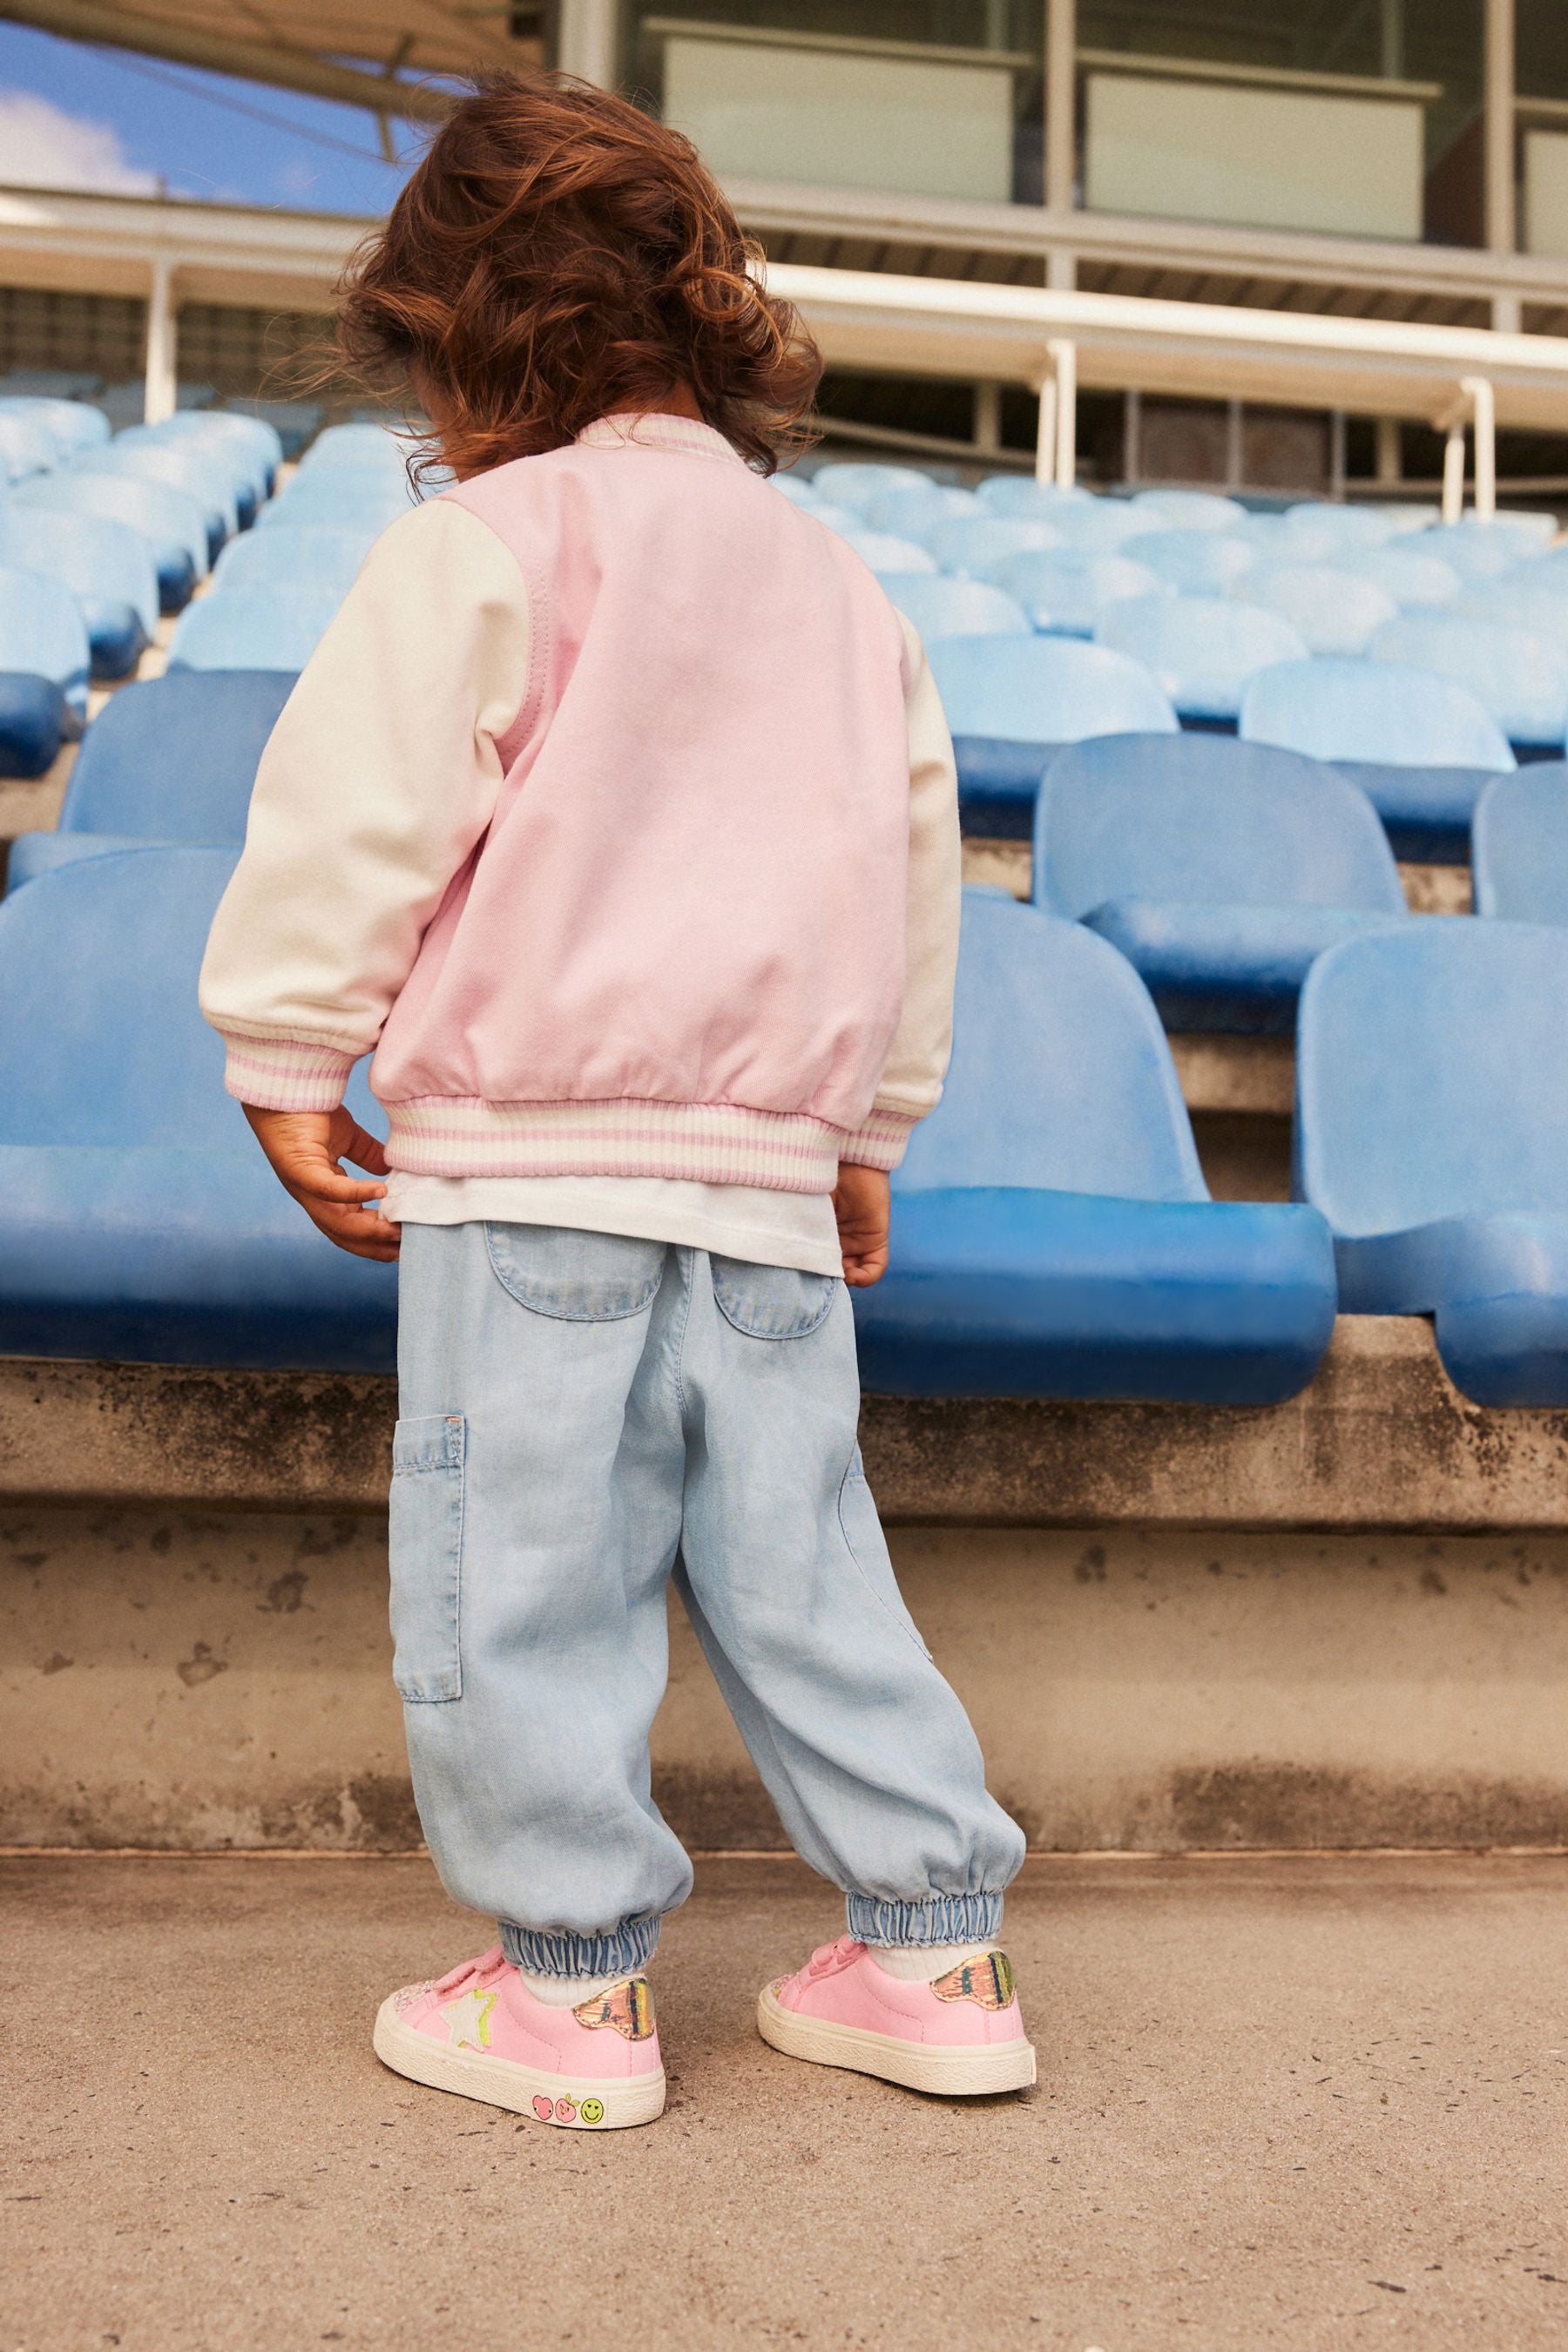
[[1307, 2104], [1341, 1621]]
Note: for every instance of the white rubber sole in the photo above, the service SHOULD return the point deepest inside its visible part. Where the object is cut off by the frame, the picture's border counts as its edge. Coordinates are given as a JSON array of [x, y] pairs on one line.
[[614, 2106], [915, 2065]]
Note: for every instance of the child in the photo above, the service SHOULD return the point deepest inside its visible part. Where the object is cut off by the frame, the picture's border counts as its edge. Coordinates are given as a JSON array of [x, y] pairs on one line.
[[616, 813]]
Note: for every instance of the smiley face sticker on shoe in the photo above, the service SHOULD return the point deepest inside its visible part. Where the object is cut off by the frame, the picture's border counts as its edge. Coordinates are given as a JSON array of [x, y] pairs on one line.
[[591, 2111]]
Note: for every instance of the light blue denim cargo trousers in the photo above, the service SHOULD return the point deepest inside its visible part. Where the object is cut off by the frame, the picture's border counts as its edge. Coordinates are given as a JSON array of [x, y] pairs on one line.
[[583, 1417]]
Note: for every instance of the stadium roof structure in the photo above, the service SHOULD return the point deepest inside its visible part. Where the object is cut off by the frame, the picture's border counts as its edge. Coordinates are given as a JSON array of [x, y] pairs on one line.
[[370, 53]]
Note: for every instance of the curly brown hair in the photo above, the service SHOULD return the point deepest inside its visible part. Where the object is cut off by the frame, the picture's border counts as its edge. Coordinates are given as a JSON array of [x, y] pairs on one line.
[[556, 254]]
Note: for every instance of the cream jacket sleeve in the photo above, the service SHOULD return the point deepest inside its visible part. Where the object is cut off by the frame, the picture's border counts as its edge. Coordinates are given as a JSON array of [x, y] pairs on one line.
[[381, 775], [922, 1045]]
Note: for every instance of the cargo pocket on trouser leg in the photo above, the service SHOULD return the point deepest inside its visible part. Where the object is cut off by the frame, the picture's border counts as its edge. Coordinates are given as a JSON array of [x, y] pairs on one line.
[[426, 1555]]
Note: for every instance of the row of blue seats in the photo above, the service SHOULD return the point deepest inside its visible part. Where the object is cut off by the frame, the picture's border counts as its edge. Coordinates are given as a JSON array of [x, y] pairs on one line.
[[1220, 867], [96, 538], [274, 592], [1420, 748], [1053, 1234], [96, 542], [1486, 616], [295, 422]]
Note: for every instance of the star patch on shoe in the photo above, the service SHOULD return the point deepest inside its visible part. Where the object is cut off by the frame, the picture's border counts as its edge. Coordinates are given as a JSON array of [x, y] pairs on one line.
[[989, 1983], [626, 2008]]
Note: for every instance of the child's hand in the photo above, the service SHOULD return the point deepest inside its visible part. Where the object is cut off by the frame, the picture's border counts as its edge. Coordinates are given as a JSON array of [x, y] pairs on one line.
[[305, 1147], [860, 1205]]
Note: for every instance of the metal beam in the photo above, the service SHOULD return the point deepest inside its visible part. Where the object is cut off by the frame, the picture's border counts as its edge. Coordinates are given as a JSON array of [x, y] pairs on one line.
[[282, 67]]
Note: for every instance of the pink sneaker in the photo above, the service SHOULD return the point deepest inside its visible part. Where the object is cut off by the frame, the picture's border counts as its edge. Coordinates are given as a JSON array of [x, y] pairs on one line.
[[961, 2035], [478, 2031]]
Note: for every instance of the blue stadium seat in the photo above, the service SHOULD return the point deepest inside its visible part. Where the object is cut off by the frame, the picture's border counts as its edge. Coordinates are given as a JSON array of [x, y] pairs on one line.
[[851, 483], [1519, 845], [941, 607], [1010, 701], [342, 502], [107, 566], [1482, 551], [1522, 600], [970, 544], [884, 554], [1101, 525], [1052, 1234], [1197, 563], [172, 523], [314, 555], [1021, 494], [26, 449], [295, 422], [1520, 678], [171, 759], [72, 425], [355, 443], [225, 471], [1203, 650], [1332, 612], [1420, 747], [248, 444], [1064, 590], [1219, 869], [1333, 527], [44, 659], [1433, 1135], [184, 469], [139, 1222], [910, 514], [1189, 510], [253, 628], [1407, 572]]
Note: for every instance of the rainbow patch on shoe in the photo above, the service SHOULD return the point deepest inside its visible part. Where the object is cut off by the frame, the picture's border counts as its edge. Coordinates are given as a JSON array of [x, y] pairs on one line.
[[989, 1983], [626, 2008]]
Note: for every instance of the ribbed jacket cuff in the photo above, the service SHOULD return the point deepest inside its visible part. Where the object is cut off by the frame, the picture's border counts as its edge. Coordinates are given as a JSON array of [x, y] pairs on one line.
[[286, 1073], [881, 1142]]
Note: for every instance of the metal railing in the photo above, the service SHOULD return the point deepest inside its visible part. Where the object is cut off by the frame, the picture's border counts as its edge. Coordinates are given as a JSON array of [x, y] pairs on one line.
[[1052, 339]]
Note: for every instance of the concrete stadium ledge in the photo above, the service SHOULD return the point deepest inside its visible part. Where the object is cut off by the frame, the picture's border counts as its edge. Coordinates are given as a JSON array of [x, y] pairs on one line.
[[1381, 1440]]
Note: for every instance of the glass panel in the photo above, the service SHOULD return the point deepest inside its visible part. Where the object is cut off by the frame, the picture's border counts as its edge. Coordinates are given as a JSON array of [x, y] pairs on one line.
[[1305, 125], [941, 96]]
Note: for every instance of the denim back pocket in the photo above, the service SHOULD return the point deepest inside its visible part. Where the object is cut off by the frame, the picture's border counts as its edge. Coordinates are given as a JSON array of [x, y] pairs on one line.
[[426, 1550], [772, 1302], [577, 1277]]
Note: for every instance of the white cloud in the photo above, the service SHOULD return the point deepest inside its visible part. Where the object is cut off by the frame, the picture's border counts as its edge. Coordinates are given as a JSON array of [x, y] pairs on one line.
[[42, 146]]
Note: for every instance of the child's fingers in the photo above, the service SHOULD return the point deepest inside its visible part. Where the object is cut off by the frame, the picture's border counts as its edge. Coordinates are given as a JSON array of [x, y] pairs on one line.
[[320, 1180], [365, 1151], [359, 1230]]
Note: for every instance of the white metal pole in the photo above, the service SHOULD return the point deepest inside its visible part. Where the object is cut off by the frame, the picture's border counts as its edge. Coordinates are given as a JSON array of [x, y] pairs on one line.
[[1046, 435], [1454, 471], [160, 396], [1500, 224], [1064, 367], [1061, 73], [586, 40], [1485, 411], [1390, 453]]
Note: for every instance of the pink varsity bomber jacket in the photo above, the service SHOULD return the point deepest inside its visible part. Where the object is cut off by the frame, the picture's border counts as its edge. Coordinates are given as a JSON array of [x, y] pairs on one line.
[[615, 813]]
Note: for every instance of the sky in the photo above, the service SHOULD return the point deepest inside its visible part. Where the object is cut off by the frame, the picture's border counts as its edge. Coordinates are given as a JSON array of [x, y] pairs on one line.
[[74, 117]]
